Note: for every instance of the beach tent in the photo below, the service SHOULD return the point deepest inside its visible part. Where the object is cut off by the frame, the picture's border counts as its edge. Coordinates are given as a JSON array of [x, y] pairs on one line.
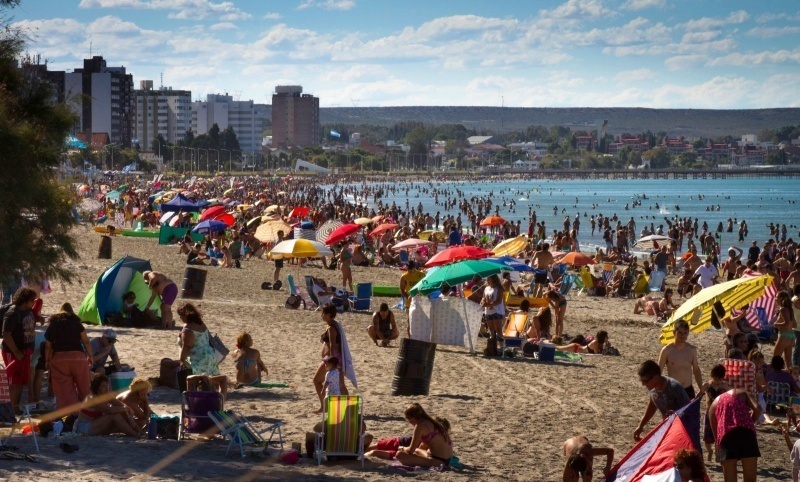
[[105, 296], [180, 203], [651, 460]]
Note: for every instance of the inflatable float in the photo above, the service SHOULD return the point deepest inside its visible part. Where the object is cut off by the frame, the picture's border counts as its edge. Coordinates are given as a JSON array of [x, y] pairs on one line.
[[385, 291]]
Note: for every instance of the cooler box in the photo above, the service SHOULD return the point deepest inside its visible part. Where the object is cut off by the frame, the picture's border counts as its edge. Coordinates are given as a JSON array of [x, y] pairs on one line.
[[121, 380], [547, 352]]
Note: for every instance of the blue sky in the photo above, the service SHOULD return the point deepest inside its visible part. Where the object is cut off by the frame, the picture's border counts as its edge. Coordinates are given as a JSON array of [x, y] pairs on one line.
[[519, 53]]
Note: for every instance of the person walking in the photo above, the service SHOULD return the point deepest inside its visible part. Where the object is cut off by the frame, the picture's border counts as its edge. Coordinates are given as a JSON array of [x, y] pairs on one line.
[[68, 359]]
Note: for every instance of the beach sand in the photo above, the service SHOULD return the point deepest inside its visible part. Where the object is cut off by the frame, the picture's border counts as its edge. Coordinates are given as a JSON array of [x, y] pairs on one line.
[[509, 417]]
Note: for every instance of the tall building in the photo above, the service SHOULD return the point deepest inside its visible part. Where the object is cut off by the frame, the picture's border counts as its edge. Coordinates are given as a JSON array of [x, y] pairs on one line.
[[245, 117], [164, 111], [102, 97], [295, 117]]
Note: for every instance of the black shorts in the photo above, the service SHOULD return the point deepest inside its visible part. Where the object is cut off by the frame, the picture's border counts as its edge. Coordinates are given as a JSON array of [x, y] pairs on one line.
[[738, 443], [540, 278], [278, 263]]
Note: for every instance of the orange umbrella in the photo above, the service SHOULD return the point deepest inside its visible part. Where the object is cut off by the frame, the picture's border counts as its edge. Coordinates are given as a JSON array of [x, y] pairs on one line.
[[493, 221], [383, 227], [576, 258]]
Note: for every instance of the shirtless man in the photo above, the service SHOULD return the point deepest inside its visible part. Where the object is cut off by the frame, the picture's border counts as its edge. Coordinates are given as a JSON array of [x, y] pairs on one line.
[[164, 287], [541, 261], [580, 458], [733, 262], [680, 359]]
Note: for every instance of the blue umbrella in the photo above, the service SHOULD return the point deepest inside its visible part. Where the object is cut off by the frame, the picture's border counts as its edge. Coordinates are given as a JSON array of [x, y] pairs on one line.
[[510, 262], [210, 226]]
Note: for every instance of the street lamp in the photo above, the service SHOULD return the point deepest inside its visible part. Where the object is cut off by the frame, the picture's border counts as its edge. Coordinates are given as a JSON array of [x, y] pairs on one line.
[[217, 151], [230, 155], [112, 146]]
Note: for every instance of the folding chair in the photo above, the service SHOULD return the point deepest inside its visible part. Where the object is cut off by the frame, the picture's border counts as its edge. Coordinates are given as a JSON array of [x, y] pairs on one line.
[[403, 258], [314, 298], [342, 434], [641, 286], [566, 284], [5, 397], [362, 301], [740, 374], [780, 397], [587, 281], [767, 329], [656, 280], [237, 430], [608, 272], [514, 331], [194, 412], [293, 289]]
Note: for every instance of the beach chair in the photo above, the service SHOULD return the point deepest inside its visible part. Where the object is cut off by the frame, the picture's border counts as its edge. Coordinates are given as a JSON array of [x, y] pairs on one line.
[[342, 434], [780, 397], [5, 398], [587, 281], [641, 286], [313, 296], [403, 258], [514, 332], [566, 284], [608, 272], [362, 300], [740, 374], [194, 413], [237, 430], [293, 289], [766, 329], [656, 280]]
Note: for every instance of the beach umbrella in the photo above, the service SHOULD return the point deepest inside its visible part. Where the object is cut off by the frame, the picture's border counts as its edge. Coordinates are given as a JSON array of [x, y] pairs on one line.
[[83, 188], [228, 192], [648, 242], [432, 235], [493, 221], [243, 207], [341, 233], [377, 218], [212, 212], [455, 273], [165, 217], [411, 243], [766, 301], [697, 309], [210, 226], [457, 253], [254, 222], [268, 231], [299, 248], [226, 218], [140, 191], [511, 246], [577, 259], [511, 263], [383, 228], [299, 212], [363, 221], [327, 228]]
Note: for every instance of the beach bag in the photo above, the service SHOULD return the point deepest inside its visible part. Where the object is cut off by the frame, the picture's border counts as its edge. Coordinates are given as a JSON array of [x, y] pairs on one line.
[[7, 413], [530, 348], [220, 350], [491, 347], [610, 350], [293, 302], [167, 427]]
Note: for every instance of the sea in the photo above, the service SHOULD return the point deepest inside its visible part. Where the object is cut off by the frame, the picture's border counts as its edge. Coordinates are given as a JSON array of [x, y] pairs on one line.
[[758, 201]]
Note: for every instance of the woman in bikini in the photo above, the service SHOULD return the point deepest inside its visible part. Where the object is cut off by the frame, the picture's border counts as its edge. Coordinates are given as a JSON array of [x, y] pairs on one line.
[[542, 322], [331, 346], [431, 433], [558, 304], [135, 398], [345, 257], [594, 347], [104, 418], [786, 324], [248, 361]]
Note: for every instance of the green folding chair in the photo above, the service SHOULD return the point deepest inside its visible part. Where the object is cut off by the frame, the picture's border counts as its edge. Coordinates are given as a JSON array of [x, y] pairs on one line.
[[342, 420], [237, 430]]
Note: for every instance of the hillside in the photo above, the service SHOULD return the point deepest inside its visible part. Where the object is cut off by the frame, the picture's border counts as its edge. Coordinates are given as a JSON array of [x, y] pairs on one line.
[[676, 122]]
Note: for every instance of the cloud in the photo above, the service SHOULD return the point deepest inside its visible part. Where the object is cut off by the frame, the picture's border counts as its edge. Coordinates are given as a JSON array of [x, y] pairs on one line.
[[642, 4], [772, 32], [706, 23], [224, 26], [684, 62], [572, 9], [758, 58], [637, 75], [181, 9], [327, 4], [272, 16]]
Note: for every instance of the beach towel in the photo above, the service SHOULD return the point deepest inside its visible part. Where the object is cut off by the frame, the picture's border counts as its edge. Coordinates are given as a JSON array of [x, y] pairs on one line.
[[445, 321], [347, 361]]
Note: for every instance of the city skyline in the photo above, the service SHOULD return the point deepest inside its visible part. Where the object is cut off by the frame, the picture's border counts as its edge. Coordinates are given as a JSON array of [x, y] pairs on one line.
[[567, 53]]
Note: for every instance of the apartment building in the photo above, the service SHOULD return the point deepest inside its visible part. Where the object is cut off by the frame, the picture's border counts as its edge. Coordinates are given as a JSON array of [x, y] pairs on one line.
[[161, 111]]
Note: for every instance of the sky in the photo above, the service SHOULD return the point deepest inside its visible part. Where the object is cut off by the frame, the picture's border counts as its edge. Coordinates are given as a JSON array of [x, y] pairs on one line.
[[711, 54]]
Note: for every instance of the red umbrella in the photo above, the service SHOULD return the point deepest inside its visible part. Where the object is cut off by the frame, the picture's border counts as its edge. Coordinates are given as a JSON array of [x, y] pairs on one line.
[[226, 218], [493, 221], [341, 233], [576, 258], [299, 212], [211, 212], [457, 253], [382, 228]]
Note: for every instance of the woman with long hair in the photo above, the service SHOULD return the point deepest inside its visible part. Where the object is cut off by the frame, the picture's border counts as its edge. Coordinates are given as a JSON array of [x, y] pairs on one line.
[[428, 431], [331, 347], [558, 304], [786, 324], [493, 306]]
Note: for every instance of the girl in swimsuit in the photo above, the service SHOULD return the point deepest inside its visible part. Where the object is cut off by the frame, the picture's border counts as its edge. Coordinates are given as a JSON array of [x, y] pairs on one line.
[[344, 264], [105, 418], [594, 347], [248, 361], [331, 346], [786, 324], [431, 433], [559, 306]]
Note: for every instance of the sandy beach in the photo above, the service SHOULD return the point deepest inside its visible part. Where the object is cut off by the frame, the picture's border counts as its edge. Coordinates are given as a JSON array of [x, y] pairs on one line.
[[509, 416]]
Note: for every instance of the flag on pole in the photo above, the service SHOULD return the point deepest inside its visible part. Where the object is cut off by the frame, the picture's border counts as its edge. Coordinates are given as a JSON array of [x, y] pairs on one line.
[[335, 134]]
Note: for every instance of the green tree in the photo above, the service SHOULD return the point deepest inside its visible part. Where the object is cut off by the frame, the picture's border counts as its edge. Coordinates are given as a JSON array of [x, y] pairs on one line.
[[687, 158], [418, 140], [660, 158], [229, 140], [35, 210], [188, 139], [161, 147], [214, 137]]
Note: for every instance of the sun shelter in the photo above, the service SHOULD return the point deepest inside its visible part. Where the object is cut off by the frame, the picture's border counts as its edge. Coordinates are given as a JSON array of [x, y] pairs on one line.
[[180, 203], [105, 296]]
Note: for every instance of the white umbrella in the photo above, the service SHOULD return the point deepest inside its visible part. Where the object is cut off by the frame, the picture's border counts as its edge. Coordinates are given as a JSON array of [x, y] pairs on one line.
[[411, 243], [327, 228], [648, 242]]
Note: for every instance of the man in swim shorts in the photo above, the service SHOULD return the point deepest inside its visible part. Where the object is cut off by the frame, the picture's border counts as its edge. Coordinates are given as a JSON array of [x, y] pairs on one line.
[[681, 361], [164, 287]]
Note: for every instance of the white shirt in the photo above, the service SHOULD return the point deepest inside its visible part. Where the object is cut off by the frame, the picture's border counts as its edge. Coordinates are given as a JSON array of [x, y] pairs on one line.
[[707, 275], [489, 293], [332, 379]]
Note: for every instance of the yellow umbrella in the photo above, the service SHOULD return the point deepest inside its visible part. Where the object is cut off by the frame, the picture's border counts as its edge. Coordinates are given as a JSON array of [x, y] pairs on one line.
[[228, 192], [299, 248], [511, 247], [363, 221], [697, 309], [432, 235], [268, 231], [243, 207]]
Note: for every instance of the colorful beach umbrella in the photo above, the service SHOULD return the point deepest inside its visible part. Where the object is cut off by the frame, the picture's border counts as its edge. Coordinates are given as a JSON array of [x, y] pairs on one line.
[[341, 233], [697, 309], [299, 248], [648, 243], [432, 235], [493, 221], [327, 228], [300, 212], [226, 218], [268, 231], [411, 244], [457, 253], [210, 226], [383, 228], [511, 246], [212, 212], [455, 273], [577, 259]]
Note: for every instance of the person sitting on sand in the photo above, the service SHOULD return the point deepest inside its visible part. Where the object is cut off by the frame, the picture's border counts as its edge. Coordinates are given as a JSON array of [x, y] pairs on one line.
[[432, 433], [387, 448], [247, 359], [541, 324], [135, 398], [103, 414], [580, 456], [594, 347], [687, 284], [196, 255], [384, 326]]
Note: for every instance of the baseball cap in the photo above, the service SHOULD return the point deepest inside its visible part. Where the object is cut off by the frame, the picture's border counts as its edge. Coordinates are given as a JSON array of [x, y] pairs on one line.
[[110, 334]]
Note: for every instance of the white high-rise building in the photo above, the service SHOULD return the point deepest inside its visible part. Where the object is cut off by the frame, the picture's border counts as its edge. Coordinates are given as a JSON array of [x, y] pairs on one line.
[[245, 117], [164, 111]]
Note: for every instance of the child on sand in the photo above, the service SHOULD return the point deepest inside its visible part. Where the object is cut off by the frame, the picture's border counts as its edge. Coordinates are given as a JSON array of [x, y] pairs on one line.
[[331, 384], [713, 389], [248, 361]]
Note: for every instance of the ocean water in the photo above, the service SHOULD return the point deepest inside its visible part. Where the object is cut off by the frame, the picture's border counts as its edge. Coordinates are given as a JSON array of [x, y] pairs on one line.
[[758, 201]]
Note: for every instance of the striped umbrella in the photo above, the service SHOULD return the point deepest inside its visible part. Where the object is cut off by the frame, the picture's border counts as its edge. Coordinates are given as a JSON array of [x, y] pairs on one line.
[[511, 246], [268, 231], [765, 301], [327, 228], [697, 309]]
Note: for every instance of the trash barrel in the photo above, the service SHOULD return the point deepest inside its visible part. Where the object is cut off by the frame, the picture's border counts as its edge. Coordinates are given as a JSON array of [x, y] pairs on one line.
[[194, 283], [105, 247], [412, 372]]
